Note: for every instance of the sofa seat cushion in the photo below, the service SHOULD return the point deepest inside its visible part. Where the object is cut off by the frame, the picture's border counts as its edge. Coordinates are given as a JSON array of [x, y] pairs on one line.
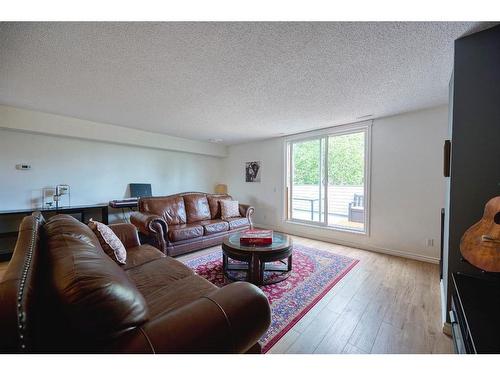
[[214, 226], [167, 284], [197, 208], [139, 255], [158, 273], [237, 222], [177, 294], [184, 232]]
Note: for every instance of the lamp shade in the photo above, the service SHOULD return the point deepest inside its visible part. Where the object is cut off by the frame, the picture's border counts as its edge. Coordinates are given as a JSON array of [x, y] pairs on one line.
[[221, 189]]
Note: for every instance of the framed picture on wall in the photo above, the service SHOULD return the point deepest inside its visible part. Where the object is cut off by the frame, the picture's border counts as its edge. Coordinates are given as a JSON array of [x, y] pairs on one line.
[[252, 171]]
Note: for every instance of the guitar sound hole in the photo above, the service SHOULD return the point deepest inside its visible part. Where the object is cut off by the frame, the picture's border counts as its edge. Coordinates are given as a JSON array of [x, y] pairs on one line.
[[496, 219]]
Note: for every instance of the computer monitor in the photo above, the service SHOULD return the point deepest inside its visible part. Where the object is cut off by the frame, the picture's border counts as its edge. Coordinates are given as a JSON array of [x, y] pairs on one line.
[[140, 190]]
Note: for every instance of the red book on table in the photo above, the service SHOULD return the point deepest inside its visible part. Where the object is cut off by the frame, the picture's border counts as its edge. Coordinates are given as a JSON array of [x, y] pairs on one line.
[[256, 237]]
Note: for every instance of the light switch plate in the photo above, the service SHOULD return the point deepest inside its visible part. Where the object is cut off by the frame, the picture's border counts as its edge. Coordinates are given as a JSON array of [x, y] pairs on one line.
[[23, 167]]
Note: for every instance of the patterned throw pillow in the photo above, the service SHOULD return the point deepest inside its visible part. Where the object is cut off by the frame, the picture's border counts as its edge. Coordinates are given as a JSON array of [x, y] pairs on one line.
[[110, 243], [214, 204], [229, 209]]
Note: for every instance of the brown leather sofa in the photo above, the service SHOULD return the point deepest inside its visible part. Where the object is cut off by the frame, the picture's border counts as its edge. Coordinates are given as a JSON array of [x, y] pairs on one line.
[[180, 223], [62, 294]]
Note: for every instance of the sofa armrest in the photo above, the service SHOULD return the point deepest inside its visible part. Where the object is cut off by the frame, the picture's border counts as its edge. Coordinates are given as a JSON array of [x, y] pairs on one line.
[[151, 225], [229, 320], [247, 211], [145, 222], [127, 233]]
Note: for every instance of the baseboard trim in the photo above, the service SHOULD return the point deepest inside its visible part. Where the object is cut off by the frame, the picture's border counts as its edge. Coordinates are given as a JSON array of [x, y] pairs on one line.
[[376, 249]]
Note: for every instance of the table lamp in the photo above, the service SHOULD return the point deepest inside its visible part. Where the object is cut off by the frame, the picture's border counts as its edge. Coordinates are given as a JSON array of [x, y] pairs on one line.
[[221, 189]]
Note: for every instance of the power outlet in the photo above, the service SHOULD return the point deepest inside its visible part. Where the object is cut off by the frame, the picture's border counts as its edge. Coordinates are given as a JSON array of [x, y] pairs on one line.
[[430, 242]]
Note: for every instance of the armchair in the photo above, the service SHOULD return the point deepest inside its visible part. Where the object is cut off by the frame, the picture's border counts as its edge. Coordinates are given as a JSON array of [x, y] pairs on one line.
[[357, 209]]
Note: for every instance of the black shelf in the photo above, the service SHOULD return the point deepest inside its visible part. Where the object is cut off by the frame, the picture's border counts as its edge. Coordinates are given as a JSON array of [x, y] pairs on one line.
[[82, 210], [476, 305]]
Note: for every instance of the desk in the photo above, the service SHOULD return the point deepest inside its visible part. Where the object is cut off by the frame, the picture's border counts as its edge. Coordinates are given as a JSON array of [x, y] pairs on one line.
[[82, 210]]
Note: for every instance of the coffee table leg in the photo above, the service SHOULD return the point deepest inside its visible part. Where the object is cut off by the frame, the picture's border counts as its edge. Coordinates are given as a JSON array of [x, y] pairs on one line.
[[290, 263], [255, 274], [224, 263]]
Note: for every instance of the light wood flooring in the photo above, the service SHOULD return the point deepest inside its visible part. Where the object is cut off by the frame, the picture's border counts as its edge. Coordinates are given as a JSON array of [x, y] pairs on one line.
[[385, 304]]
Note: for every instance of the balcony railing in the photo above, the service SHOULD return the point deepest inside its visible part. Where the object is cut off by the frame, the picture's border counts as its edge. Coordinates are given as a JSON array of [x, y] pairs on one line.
[[306, 204]]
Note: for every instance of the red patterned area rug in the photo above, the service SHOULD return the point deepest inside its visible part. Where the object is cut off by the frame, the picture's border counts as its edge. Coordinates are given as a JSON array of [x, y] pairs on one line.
[[314, 273]]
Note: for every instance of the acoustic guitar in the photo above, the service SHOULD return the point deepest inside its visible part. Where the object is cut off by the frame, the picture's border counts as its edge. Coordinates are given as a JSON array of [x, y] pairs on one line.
[[480, 244]]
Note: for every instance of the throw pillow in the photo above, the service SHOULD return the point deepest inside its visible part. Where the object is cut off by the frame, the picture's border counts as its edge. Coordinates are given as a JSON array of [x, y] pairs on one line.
[[110, 243], [229, 209], [214, 204]]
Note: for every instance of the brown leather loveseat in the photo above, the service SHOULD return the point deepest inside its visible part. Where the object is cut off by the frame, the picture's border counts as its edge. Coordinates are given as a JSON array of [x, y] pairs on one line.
[[185, 222], [62, 294]]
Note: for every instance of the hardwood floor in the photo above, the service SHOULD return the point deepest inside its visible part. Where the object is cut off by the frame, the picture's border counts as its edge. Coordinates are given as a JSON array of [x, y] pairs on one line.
[[385, 304]]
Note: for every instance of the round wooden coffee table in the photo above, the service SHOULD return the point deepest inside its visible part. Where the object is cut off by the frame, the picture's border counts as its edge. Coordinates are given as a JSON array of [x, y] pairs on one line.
[[254, 260]]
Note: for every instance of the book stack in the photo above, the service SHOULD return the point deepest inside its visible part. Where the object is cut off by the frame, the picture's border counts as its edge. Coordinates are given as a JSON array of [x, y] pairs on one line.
[[256, 237]]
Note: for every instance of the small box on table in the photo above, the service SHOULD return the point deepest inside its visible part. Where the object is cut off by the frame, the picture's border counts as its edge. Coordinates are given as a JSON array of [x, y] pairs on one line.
[[256, 237]]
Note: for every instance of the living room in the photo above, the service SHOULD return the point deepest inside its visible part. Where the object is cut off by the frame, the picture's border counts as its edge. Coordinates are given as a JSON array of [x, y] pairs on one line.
[[249, 187]]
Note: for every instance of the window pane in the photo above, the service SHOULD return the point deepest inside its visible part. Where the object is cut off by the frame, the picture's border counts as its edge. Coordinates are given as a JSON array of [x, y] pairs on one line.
[[346, 185], [307, 195]]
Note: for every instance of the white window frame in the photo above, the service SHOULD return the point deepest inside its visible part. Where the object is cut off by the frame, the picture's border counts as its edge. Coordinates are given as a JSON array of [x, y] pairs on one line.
[[365, 126]]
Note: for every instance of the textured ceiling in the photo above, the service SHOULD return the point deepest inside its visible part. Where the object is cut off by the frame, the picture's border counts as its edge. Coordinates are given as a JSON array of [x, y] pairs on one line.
[[233, 81]]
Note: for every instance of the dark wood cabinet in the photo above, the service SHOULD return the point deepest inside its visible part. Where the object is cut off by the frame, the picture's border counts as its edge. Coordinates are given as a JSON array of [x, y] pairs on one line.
[[474, 314], [474, 131]]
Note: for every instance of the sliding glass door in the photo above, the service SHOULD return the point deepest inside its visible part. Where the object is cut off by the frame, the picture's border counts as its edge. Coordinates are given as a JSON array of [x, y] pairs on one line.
[[346, 181], [326, 179], [307, 187]]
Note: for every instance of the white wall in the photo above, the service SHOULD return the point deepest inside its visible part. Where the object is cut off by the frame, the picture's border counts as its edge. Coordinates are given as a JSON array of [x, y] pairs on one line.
[[406, 181], [407, 186], [97, 172], [13, 118], [97, 160]]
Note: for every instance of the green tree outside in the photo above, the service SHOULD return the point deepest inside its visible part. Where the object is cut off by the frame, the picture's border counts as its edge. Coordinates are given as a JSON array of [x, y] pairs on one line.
[[345, 160]]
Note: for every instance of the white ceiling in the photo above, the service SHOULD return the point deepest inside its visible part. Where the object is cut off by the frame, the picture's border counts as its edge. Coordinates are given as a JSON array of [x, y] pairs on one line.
[[233, 81]]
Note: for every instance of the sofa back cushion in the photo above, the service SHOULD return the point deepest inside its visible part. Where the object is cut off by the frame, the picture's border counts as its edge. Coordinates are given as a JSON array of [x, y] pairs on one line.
[[94, 297], [196, 207], [170, 208], [213, 203]]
